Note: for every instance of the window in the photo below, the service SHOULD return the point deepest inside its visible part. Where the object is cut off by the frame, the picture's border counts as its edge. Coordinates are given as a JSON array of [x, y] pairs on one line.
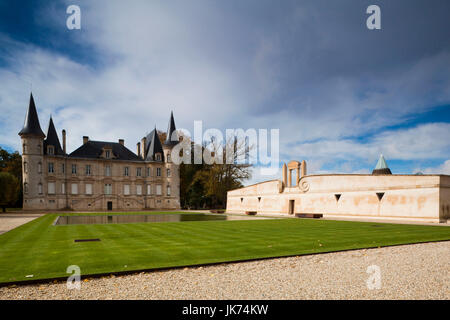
[[51, 167], [158, 190], [88, 188], [74, 188], [139, 189], [126, 172], [25, 167], [50, 150], [168, 190], [39, 148], [158, 172], [158, 157], [149, 172], [337, 196], [39, 167], [74, 169], [108, 189], [63, 168], [126, 189], [108, 171], [168, 172], [25, 187], [51, 188], [40, 188], [24, 148], [63, 188], [168, 157], [138, 172], [88, 169], [149, 189], [107, 154]]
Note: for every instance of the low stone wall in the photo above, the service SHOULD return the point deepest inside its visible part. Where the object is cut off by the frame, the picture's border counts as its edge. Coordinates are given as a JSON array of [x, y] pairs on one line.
[[407, 197]]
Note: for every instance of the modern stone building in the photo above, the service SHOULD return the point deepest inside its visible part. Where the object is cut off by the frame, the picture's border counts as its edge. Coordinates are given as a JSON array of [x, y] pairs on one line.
[[380, 195], [99, 175]]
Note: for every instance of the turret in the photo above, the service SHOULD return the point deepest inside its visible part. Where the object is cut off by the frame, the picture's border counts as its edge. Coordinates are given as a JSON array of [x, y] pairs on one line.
[[381, 167], [32, 159], [172, 170]]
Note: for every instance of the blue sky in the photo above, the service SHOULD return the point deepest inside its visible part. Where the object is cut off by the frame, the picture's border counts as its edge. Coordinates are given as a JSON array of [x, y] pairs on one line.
[[339, 93]]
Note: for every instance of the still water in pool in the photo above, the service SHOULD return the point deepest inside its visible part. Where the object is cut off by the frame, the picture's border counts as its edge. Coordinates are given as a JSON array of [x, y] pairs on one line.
[[142, 218]]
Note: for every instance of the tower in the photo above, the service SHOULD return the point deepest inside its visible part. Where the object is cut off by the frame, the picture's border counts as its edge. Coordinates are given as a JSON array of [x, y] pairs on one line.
[[172, 170], [32, 139]]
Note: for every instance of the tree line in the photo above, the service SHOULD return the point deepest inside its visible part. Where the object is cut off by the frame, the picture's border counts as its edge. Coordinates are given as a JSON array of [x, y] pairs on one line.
[[11, 193]]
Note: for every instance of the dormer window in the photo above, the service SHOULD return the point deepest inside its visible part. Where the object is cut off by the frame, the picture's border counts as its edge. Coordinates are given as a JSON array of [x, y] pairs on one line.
[[158, 157], [168, 157], [108, 154], [50, 150]]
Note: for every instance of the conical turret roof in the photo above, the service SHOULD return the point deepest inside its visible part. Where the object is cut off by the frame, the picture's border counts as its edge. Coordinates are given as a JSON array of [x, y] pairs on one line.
[[153, 146], [31, 125], [171, 128], [52, 139]]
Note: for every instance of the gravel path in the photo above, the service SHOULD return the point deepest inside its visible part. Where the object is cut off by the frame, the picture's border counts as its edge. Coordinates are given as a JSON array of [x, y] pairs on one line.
[[420, 271]]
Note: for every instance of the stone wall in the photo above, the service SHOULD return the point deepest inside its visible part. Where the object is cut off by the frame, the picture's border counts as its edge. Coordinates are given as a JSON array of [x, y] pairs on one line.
[[397, 197]]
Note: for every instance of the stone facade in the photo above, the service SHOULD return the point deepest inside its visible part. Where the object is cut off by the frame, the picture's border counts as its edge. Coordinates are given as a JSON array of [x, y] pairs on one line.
[[98, 175], [382, 196]]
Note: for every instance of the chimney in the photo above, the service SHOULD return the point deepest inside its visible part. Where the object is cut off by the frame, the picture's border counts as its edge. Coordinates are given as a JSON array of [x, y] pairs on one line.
[[122, 142], [85, 139], [138, 149], [143, 143], [64, 140]]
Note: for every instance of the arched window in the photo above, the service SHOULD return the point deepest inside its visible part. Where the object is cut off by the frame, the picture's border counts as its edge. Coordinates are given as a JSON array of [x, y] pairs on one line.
[[39, 167], [40, 188], [25, 187], [24, 148], [25, 167]]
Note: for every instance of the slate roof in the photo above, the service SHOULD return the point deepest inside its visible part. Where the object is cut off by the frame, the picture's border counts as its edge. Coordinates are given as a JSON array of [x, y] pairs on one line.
[[153, 146], [94, 149], [53, 140], [170, 129], [31, 125]]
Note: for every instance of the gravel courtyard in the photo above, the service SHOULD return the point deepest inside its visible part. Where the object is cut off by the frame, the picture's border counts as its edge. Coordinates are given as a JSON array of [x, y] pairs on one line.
[[419, 271]]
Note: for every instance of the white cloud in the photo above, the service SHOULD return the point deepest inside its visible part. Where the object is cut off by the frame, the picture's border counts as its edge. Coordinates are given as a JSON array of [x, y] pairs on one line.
[[232, 70], [441, 169]]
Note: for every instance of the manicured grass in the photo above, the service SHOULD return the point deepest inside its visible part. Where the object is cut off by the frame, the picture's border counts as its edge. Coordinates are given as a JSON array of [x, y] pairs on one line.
[[38, 248]]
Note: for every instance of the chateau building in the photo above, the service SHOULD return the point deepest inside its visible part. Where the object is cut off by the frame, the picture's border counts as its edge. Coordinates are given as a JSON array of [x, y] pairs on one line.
[[99, 175]]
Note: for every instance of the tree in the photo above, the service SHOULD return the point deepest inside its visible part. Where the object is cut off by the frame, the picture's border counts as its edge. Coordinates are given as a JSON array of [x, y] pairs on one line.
[[9, 189], [206, 185], [12, 163]]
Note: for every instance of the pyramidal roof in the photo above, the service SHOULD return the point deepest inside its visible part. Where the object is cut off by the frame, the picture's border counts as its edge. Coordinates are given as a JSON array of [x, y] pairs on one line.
[[153, 146], [381, 164], [31, 125], [52, 139], [171, 128], [381, 167]]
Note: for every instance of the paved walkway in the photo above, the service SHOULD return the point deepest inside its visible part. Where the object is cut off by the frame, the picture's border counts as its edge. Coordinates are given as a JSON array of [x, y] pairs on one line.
[[9, 221]]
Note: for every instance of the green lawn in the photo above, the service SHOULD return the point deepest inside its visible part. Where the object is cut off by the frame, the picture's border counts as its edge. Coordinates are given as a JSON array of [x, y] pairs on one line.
[[45, 251]]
